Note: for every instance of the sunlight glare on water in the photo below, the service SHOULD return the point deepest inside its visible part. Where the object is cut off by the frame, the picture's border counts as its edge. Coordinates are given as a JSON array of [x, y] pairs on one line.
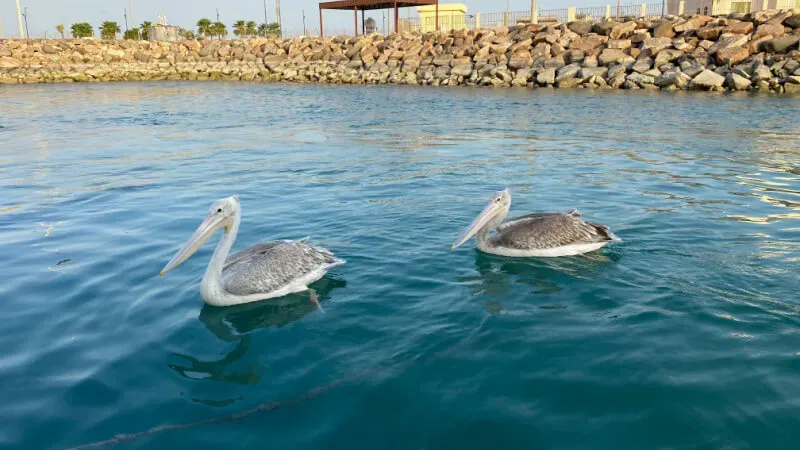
[[685, 335]]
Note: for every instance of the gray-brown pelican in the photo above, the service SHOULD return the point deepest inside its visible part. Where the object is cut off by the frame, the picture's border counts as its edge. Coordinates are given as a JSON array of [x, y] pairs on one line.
[[546, 234], [268, 270]]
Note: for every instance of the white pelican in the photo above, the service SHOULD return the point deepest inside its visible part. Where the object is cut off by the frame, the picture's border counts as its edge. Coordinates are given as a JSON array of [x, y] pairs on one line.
[[268, 270], [546, 234]]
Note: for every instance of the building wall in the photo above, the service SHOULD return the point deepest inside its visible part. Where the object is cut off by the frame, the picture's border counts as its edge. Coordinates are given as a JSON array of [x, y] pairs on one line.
[[728, 6], [452, 16]]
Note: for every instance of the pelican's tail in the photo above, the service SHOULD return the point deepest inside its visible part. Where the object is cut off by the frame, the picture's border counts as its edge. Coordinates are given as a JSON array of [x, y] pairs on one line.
[[605, 232]]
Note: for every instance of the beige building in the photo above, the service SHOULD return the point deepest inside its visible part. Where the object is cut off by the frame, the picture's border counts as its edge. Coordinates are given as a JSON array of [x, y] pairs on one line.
[[452, 16], [712, 7]]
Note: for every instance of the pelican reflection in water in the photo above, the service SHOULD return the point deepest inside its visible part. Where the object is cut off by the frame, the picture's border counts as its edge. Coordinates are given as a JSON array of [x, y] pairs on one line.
[[548, 234], [268, 270]]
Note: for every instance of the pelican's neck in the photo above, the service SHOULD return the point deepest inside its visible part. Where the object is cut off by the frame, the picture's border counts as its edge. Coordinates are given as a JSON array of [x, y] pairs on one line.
[[212, 289], [482, 238]]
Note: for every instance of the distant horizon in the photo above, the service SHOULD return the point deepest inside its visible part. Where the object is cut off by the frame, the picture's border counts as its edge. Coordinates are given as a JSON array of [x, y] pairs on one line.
[[44, 15]]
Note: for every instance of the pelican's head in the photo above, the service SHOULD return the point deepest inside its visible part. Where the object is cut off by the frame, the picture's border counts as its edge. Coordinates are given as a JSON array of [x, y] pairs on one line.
[[222, 214], [491, 216]]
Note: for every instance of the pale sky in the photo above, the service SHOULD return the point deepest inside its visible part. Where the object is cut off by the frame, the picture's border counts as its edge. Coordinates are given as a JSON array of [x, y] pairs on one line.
[[44, 15]]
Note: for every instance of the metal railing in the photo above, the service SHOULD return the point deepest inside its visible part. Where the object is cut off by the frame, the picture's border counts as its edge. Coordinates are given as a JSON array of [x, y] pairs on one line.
[[591, 14]]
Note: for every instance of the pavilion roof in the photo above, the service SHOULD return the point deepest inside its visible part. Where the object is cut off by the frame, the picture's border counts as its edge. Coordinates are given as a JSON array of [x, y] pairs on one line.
[[373, 4]]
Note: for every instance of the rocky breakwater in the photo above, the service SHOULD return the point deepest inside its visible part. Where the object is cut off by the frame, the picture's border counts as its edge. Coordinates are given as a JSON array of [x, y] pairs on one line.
[[758, 51]]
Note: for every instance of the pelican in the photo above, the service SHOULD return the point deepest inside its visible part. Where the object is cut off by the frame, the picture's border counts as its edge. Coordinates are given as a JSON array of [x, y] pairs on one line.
[[548, 234], [263, 271]]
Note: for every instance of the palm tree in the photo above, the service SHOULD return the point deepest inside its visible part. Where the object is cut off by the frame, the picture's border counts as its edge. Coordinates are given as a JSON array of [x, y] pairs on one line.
[[239, 28], [220, 29], [145, 27], [81, 30], [186, 34], [109, 30], [60, 29], [250, 30], [262, 30], [204, 27]]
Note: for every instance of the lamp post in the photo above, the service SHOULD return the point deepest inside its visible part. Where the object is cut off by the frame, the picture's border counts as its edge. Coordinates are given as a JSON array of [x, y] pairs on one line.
[[25, 15], [19, 22]]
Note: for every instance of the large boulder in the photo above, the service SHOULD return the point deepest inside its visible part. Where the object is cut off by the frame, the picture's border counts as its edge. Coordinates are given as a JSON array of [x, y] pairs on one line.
[[709, 33], [664, 29], [580, 27], [708, 79], [588, 43], [622, 30], [732, 56], [793, 21], [655, 45], [768, 29], [611, 55], [781, 44], [547, 76], [740, 28], [737, 82], [692, 23], [9, 63], [603, 28], [736, 40]]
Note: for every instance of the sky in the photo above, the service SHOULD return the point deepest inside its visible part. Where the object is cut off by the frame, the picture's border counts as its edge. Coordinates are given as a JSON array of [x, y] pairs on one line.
[[44, 15]]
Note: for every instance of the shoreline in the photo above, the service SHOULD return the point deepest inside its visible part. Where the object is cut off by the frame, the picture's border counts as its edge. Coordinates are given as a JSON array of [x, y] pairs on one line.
[[757, 52]]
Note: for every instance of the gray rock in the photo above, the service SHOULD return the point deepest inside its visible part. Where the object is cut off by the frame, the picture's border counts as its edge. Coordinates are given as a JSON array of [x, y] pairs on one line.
[[548, 76], [569, 82], [641, 79], [736, 40], [673, 78], [615, 71], [781, 44], [580, 27], [462, 70], [655, 45], [569, 71], [643, 65], [603, 28], [737, 82], [708, 79], [664, 29], [589, 72], [793, 21], [611, 55], [761, 72]]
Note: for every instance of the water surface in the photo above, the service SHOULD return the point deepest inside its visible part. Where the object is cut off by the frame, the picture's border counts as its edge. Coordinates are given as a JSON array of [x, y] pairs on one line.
[[686, 335]]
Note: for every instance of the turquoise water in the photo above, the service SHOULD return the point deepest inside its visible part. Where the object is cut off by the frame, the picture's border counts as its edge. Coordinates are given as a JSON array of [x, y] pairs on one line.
[[686, 335]]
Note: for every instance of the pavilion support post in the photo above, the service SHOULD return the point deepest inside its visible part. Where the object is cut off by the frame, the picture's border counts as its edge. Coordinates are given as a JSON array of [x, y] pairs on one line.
[[363, 24], [396, 18], [355, 19], [321, 29], [437, 15]]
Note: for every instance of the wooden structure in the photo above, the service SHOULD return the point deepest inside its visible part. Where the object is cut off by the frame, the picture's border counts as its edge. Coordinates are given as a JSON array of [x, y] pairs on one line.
[[366, 5]]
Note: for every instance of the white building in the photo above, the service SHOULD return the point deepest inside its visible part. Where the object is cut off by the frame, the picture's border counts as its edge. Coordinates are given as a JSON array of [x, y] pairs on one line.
[[713, 7]]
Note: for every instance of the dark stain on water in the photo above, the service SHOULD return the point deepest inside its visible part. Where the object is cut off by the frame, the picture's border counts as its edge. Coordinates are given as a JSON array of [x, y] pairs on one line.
[[684, 335]]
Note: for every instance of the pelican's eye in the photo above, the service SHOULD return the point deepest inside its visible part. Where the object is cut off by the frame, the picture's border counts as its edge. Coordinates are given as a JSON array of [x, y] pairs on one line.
[[219, 210]]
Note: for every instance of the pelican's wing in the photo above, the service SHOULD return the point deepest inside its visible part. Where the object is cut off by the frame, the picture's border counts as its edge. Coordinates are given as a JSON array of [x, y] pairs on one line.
[[530, 217], [550, 230], [266, 267]]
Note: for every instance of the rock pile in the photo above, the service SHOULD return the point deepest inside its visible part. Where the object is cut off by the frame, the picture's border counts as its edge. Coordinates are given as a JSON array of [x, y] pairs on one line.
[[758, 51]]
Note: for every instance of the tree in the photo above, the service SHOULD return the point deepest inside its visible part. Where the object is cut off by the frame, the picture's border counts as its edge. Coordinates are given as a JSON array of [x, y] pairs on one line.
[[145, 27], [82, 30], [60, 29], [262, 30], [109, 30], [204, 28], [250, 29], [132, 34], [239, 28], [274, 29], [220, 29], [186, 34]]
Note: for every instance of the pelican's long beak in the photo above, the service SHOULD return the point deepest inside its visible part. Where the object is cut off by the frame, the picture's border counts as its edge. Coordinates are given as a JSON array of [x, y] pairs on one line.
[[206, 229], [488, 213]]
